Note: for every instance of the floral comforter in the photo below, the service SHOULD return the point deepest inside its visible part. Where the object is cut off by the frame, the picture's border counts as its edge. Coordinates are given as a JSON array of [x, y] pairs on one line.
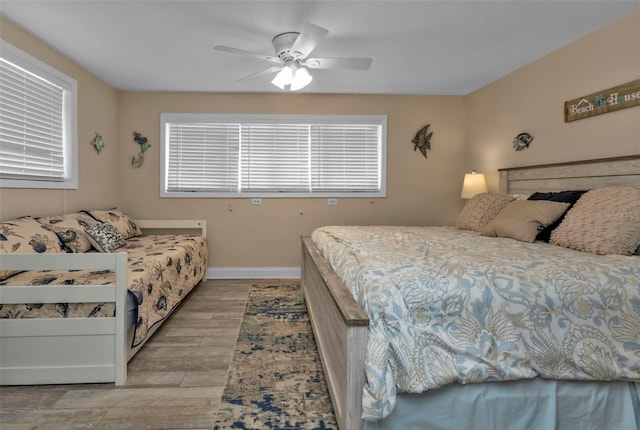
[[449, 305], [162, 270]]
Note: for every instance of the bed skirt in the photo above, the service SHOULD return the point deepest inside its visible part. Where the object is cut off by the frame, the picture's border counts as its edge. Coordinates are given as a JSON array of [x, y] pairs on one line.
[[519, 405]]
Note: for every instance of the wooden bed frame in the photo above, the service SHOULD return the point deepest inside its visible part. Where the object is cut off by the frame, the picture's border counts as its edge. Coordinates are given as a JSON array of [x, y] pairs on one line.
[[340, 324], [35, 351]]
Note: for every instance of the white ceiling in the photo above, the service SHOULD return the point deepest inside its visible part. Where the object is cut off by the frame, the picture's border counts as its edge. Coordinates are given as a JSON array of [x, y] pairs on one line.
[[418, 47]]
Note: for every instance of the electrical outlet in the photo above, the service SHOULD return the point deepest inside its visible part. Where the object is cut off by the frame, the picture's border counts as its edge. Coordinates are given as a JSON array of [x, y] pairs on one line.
[[332, 202], [256, 201]]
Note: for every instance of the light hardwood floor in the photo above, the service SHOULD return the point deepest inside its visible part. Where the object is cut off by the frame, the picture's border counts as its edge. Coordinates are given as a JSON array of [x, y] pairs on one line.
[[174, 382]]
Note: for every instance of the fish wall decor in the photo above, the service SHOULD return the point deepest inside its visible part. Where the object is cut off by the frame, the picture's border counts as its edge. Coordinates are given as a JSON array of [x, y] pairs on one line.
[[522, 141], [422, 141], [144, 145], [98, 143]]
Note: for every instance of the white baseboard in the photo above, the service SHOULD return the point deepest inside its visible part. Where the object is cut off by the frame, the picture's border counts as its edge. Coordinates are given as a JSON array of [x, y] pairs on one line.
[[253, 273]]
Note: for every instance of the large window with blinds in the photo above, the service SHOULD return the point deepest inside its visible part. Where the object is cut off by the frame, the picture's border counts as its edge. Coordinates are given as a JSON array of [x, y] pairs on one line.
[[38, 145], [228, 155]]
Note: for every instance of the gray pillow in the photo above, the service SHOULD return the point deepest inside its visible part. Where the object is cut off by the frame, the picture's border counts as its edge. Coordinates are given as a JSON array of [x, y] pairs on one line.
[[524, 219]]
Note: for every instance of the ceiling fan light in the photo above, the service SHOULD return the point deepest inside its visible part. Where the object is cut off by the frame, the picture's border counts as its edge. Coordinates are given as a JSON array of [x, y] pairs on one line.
[[283, 78], [301, 78]]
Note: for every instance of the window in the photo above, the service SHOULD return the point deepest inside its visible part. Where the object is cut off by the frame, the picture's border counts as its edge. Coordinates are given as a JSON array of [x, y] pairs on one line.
[[38, 145], [220, 155]]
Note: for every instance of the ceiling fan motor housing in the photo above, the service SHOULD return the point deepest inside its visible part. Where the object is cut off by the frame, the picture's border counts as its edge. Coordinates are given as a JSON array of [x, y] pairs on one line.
[[282, 44]]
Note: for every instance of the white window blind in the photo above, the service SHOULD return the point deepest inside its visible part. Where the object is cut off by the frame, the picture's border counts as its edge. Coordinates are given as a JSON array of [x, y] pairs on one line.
[[220, 155], [275, 158], [345, 157], [203, 157], [35, 140]]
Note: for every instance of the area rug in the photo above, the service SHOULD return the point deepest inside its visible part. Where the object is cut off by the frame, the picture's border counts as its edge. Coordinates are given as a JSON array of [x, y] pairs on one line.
[[275, 380]]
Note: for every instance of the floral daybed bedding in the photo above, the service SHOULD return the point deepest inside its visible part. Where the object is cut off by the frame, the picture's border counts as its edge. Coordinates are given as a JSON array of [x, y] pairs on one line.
[[448, 305], [162, 270]]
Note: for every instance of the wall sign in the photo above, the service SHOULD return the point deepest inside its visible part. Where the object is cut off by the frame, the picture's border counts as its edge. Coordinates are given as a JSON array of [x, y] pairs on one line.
[[612, 99]]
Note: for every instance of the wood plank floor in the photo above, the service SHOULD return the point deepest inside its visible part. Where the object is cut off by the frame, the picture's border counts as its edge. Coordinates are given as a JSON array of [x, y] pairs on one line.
[[174, 382]]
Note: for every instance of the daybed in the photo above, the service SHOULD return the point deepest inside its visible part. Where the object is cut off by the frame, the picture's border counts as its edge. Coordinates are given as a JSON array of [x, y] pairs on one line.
[[439, 327], [80, 293]]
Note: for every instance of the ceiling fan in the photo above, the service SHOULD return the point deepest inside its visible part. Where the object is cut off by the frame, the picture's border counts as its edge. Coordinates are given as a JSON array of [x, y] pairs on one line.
[[292, 51]]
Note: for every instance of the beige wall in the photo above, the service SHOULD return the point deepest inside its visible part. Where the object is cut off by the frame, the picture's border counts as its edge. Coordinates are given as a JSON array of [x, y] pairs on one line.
[[469, 132], [97, 112], [419, 191], [532, 99]]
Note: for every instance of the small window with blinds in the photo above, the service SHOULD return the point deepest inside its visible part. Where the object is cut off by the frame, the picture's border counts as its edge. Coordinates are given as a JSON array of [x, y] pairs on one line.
[[226, 155], [37, 123]]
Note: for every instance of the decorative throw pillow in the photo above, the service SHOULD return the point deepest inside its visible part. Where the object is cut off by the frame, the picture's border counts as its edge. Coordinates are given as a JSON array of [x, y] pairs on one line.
[[70, 228], [524, 219], [27, 236], [603, 221], [105, 238], [481, 209], [570, 197], [119, 220]]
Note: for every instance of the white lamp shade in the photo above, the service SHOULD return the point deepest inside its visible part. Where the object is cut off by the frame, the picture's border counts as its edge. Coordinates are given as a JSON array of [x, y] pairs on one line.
[[301, 78], [474, 183], [283, 78]]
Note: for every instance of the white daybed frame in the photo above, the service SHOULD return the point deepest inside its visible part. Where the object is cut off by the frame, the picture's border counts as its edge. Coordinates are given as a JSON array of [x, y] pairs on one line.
[[340, 325], [71, 350]]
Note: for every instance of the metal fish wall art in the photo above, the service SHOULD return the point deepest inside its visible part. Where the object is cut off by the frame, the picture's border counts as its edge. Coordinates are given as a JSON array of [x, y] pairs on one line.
[[144, 145], [422, 141], [98, 143], [522, 141]]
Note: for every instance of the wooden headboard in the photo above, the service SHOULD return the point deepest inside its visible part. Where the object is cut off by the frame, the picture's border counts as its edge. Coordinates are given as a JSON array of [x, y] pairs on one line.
[[575, 175]]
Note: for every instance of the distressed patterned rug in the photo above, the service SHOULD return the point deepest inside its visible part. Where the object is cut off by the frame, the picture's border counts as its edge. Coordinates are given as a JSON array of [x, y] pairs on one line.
[[275, 380]]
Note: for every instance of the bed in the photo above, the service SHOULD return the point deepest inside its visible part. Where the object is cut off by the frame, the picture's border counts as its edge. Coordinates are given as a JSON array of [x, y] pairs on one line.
[[80, 317], [525, 400]]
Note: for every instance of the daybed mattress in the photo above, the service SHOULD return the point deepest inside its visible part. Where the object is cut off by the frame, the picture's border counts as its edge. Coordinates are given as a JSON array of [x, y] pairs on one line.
[[162, 269], [448, 305]]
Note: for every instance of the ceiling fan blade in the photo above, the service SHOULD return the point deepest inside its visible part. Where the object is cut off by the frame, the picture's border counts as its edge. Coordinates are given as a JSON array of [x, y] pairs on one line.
[[247, 53], [308, 39], [261, 73], [338, 63]]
